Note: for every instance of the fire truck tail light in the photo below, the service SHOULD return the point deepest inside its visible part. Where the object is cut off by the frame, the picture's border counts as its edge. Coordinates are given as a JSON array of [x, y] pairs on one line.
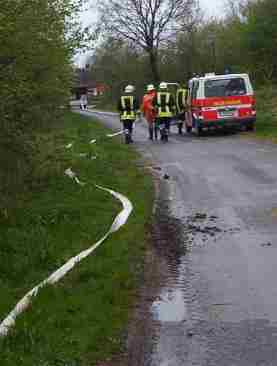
[[253, 104]]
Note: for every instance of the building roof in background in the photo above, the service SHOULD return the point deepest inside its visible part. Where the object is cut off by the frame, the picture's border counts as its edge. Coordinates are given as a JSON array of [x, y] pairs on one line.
[[83, 79]]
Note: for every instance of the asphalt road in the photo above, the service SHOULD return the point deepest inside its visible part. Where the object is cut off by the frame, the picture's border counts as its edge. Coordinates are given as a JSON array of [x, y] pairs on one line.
[[219, 303]]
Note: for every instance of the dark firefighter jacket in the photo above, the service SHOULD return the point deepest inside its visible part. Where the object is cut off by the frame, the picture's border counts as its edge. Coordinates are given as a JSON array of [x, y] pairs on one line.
[[128, 106], [181, 100], [164, 104]]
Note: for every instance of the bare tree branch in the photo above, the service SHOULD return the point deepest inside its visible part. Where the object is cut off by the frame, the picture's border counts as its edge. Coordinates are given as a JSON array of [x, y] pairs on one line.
[[147, 23]]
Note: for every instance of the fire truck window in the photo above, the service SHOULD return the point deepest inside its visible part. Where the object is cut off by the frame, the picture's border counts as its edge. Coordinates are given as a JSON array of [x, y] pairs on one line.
[[224, 87], [195, 87]]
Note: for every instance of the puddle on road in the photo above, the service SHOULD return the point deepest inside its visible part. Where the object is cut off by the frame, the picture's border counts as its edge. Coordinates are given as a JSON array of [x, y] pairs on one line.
[[170, 307]]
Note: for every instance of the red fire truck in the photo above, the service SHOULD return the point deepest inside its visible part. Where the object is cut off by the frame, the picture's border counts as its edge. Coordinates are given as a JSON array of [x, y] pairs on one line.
[[220, 101]]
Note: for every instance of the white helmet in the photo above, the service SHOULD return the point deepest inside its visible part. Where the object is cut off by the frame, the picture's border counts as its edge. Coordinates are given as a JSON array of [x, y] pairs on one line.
[[150, 87], [163, 85], [129, 89]]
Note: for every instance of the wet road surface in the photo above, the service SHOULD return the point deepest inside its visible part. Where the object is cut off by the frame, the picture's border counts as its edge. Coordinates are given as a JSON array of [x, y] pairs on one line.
[[217, 304]]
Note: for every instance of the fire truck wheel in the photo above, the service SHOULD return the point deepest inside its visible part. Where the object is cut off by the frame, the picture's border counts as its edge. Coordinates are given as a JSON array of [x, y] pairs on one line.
[[198, 130]]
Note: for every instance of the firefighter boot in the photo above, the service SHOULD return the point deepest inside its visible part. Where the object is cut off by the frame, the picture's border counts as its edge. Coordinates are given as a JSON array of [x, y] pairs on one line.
[[151, 133], [156, 132]]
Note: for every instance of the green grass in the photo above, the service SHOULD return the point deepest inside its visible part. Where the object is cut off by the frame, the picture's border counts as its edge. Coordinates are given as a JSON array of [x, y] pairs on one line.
[[80, 320], [266, 126]]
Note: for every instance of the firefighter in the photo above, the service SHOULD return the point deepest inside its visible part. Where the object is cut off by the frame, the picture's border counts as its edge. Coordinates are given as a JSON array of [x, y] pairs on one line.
[[149, 112], [128, 108], [83, 102], [181, 97], [164, 104]]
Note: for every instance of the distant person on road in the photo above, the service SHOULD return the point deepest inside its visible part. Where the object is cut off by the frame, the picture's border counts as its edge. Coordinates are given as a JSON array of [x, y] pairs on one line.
[[164, 103], [181, 96], [149, 111], [128, 108], [83, 102]]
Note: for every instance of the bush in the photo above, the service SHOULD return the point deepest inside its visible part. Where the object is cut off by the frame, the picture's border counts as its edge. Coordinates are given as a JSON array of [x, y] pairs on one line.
[[35, 76]]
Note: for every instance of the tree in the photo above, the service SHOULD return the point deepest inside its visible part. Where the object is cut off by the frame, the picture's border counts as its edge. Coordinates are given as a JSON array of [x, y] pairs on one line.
[[147, 24], [37, 41], [116, 65], [260, 38]]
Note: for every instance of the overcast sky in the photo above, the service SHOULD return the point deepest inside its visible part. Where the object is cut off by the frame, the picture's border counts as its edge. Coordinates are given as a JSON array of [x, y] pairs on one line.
[[212, 7]]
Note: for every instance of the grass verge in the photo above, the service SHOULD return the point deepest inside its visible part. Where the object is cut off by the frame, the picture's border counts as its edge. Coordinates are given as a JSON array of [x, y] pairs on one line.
[[266, 126], [80, 320]]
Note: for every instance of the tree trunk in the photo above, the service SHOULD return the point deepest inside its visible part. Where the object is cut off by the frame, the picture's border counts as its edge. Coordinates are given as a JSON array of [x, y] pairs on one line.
[[153, 57]]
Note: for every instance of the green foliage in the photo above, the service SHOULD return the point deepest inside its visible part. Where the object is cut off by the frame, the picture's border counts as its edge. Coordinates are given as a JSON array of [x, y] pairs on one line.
[[38, 37], [261, 39], [267, 113], [117, 64], [243, 41]]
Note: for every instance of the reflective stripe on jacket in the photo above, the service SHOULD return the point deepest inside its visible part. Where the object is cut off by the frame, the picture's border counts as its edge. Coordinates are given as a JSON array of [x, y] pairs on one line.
[[163, 104], [128, 107], [180, 100]]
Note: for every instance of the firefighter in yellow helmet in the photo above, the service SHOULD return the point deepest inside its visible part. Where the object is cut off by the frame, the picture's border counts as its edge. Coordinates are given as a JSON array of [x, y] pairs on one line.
[[164, 102], [128, 108], [181, 97]]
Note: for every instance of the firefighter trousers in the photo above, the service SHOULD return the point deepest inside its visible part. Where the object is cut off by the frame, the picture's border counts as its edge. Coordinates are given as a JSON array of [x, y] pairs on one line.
[[128, 125]]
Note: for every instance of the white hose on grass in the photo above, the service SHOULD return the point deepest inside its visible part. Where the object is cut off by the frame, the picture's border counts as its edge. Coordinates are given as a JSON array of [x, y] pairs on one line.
[[110, 135], [116, 134], [69, 146], [118, 222]]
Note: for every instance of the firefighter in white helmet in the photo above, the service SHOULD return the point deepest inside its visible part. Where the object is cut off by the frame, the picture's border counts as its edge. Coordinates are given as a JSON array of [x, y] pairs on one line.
[[128, 108], [164, 102]]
